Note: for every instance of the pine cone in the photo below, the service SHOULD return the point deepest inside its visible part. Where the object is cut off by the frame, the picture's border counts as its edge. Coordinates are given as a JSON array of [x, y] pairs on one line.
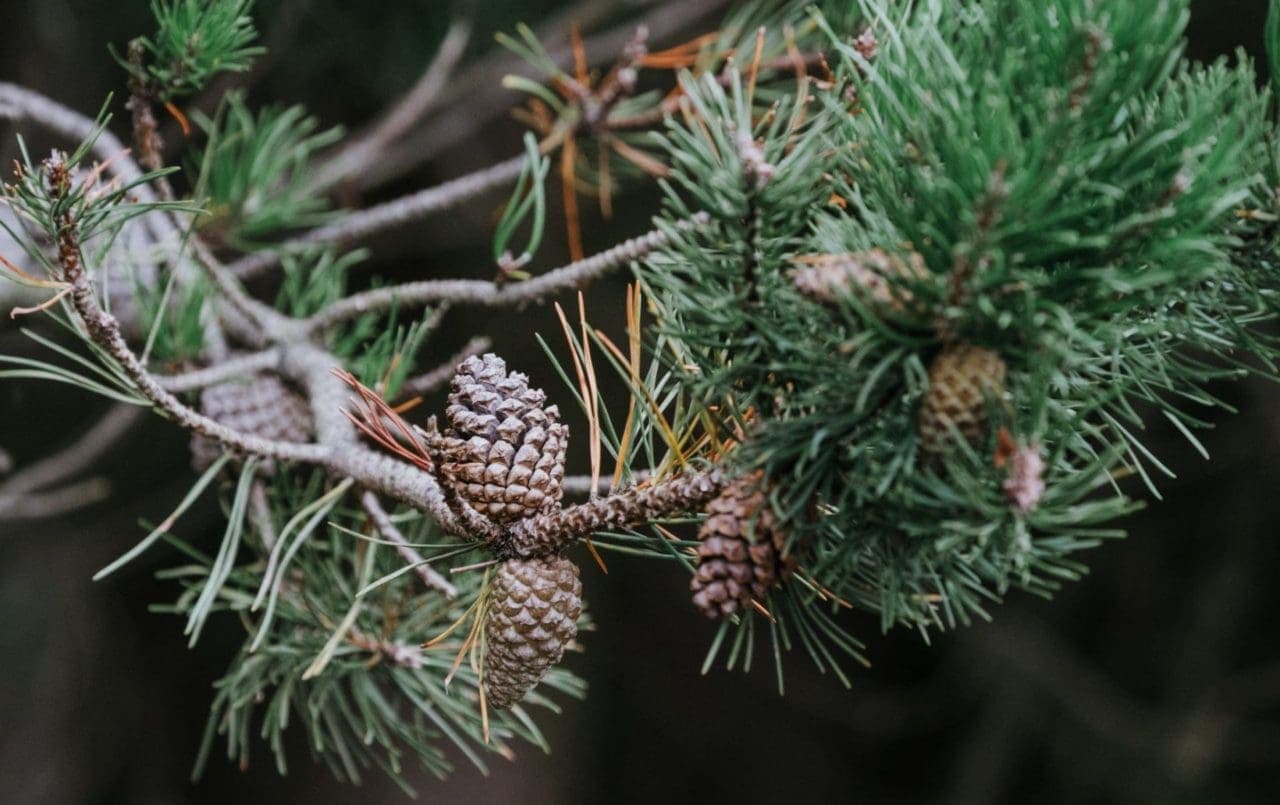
[[872, 274], [960, 380], [264, 406], [504, 451], [741, 551], [533, 614]]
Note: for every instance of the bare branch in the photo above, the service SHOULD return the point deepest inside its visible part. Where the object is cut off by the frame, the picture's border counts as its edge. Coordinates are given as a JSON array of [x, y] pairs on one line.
[[362, 223], [430, 381], [478, 95], [357, 154], [382, 521], [491, 294], [39, 505], [74, 459], [229, 369], [21, 104], [582, 484]]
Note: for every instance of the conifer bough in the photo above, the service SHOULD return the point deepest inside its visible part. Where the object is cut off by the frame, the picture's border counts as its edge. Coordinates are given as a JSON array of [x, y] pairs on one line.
[[918, 269]]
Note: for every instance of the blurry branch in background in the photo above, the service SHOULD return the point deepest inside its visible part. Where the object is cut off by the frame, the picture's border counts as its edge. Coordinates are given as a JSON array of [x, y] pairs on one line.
[[354, 157], [439, 377], [363, 223], [476, 95], [54, 475]]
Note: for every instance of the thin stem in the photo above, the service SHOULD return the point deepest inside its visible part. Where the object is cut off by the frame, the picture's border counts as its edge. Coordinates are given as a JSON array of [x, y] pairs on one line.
[[39, 505], [356, 156], [428, 382], [363, 223], [75, 458], [491, 294], [229, 369], [382, 521], [259, 315]]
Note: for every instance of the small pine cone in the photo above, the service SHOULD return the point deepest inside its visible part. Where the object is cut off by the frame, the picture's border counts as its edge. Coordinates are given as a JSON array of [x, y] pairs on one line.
[[741, 550], [871, 274], [263, 407], [504, 449], [532, 616], [960, 380]]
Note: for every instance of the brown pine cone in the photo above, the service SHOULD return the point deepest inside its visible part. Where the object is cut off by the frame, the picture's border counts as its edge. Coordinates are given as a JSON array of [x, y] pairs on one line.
[[264, 406], [533, 615], [741, 551], [961, 379], [504, 449]]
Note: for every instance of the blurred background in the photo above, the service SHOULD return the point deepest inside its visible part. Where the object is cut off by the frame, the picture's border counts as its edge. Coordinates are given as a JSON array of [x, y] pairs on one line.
[[1156, 679]]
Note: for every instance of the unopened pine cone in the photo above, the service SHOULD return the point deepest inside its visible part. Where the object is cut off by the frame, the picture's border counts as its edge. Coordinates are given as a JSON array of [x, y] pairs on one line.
[[961, 379], [741, 550], [532, 616], [875, 275], [503, 451], [263, 406]]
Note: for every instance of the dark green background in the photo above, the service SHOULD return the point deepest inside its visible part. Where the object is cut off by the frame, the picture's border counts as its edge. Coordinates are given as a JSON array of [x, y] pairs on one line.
[[1156, 679]]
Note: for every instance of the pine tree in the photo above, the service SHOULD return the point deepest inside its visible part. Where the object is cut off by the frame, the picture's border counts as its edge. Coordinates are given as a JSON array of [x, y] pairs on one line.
[[921, 273]]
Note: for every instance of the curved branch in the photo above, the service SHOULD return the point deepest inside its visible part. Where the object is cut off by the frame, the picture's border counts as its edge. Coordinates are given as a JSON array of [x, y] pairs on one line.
[[363, 223], [70, 461], [229, 369], [39, 505], [382, 521], [491, 294], [354, 157]]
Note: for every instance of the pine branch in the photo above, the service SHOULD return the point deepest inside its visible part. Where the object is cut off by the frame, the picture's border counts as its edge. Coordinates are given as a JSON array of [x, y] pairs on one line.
[[227, 369], [493, 294], [440, 376], [363, 223], [631, 507], [356, 156], [338, 450], [382, 521], [59, 468]]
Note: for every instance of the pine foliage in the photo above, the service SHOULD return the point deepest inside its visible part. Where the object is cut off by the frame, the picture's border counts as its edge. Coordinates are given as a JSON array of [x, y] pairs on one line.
[[1073, 189], [923, 274]]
